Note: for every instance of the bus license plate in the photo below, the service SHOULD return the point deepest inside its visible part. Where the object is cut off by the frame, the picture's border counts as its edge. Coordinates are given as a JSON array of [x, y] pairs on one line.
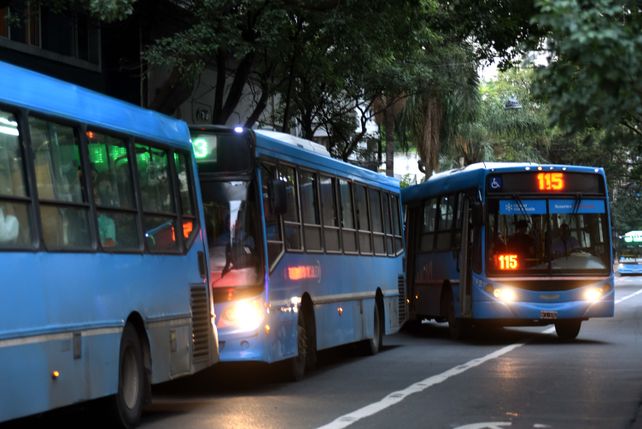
[[548, 315]]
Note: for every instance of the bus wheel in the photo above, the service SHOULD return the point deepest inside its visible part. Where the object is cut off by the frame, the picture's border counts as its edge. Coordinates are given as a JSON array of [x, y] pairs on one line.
[[306, 354], [568, 329], [130, 397], [374, 344]]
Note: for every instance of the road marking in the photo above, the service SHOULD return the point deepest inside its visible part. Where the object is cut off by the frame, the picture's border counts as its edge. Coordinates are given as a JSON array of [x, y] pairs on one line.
[[628, 296], [396, 397]]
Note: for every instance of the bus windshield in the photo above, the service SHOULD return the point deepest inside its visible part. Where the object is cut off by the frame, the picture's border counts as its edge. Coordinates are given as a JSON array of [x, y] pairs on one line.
[[232, 232], [542, 236]]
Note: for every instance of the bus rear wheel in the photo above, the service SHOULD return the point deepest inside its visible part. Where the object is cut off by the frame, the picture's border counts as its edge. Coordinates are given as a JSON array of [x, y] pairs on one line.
[[129, 400], [568, 329]]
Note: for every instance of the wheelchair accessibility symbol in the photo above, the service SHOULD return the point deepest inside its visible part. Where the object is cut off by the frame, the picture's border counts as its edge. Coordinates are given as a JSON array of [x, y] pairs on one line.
[[495, 183]]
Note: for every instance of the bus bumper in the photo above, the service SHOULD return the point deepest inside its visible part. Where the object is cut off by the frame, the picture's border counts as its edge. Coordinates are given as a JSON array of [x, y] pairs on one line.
[[538, 312]]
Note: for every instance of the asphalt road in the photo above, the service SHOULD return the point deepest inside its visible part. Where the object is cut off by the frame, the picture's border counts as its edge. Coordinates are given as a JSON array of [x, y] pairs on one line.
[[507, 378]]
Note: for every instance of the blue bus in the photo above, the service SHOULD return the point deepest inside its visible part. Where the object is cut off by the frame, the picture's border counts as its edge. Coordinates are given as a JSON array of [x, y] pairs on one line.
[[629, 258], [510, 244], [102, 250], [305, 250]]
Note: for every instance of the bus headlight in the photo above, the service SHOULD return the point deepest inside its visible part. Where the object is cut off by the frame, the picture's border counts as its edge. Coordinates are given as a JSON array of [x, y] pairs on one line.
[[243, 315], [593, 294], [505, 294]]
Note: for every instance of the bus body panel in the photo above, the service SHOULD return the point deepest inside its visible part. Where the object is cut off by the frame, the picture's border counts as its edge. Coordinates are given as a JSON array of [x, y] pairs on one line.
[[345, 317]]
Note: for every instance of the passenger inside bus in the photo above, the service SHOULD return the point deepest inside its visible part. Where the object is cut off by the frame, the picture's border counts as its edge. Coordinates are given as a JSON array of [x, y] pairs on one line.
[[564, 243], [521, 242], [9, 227]]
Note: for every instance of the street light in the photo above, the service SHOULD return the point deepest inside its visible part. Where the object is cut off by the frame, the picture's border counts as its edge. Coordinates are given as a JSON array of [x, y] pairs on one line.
[[512, 103]]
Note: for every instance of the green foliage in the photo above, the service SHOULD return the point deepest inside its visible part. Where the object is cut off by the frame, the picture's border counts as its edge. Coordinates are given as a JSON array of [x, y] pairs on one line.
[[593, 78]]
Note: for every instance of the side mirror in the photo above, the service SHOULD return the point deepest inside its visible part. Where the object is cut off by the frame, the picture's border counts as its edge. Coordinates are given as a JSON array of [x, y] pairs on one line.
[[477, 214], [278, 197]]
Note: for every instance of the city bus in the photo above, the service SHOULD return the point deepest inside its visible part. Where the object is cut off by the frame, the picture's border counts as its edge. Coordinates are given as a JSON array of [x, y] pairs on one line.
[[305, 250], [629, 259], [503, 244], [102, 251]]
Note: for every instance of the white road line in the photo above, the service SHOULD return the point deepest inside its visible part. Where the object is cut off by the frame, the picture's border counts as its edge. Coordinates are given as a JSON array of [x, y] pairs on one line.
[[628, 296], [396, 397]]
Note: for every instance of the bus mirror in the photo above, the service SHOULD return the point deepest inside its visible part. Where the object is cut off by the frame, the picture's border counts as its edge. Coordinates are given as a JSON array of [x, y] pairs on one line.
[[278, 197], [477, 214]]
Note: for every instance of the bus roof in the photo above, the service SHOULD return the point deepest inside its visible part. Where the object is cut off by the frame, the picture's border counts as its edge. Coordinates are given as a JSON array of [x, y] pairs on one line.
[[314, 156], [50, 96], [473, 175]]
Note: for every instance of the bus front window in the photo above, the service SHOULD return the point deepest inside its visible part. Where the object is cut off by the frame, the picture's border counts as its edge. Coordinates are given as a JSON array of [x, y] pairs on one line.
[[231, 224], [546, 236]]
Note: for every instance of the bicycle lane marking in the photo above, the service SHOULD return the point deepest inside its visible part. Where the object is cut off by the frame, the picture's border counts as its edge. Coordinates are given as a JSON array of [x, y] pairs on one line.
[[398, 396]]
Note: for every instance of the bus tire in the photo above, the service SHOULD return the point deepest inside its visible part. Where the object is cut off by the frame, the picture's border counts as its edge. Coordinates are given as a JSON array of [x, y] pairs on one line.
[[374, 344], [305, 359], [129, 400], [568, 330]]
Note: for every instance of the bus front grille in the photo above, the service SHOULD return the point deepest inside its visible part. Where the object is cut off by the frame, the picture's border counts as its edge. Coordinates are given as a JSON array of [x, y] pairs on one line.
[[200, 324], [401, 285]]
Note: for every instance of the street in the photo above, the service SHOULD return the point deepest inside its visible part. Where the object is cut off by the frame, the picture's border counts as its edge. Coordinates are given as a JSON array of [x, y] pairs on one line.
[[507, 378]]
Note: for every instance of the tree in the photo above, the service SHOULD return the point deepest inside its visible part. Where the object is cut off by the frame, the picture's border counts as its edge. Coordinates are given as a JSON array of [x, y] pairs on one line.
[[594, 63]]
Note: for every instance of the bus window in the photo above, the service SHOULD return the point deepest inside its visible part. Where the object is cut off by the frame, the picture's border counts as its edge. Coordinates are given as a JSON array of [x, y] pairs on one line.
[[186, 192], [310, 210], [156, 194], [291, 221], [349, 233], [272, 225], [63, 202], [113, 192], [428, 227], [377, 221], [363, 222], [15, 228], [387, 227], [445, 220], [329, 210], [396, 224]]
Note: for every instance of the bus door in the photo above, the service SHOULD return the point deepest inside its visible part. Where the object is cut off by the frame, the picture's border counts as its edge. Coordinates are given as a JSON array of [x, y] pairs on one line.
[[465, 254]]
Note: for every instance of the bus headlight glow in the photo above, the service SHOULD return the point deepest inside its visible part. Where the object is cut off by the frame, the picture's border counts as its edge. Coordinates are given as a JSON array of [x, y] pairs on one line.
[[593, 294], [243, 315], [505, 294]]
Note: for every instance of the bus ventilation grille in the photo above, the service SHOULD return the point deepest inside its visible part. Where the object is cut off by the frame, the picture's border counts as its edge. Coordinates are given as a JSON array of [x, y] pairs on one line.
[[401, 285], [200, 324]]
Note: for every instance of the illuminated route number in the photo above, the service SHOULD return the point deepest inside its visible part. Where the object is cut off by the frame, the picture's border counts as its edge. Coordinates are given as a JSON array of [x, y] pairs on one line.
[[550, 181], [507, 262]]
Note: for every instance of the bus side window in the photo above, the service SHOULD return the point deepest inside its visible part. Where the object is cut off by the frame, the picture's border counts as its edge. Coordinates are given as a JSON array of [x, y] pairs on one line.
[[330, 214], [396, 223], [377, 221], [15, 222], [186, 192], [113, 192], [310, 210], [428, 228], [64, 206], [348, 230], [445, 222], [273, 233], [363, 221], [159, 210], [291, 218]]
